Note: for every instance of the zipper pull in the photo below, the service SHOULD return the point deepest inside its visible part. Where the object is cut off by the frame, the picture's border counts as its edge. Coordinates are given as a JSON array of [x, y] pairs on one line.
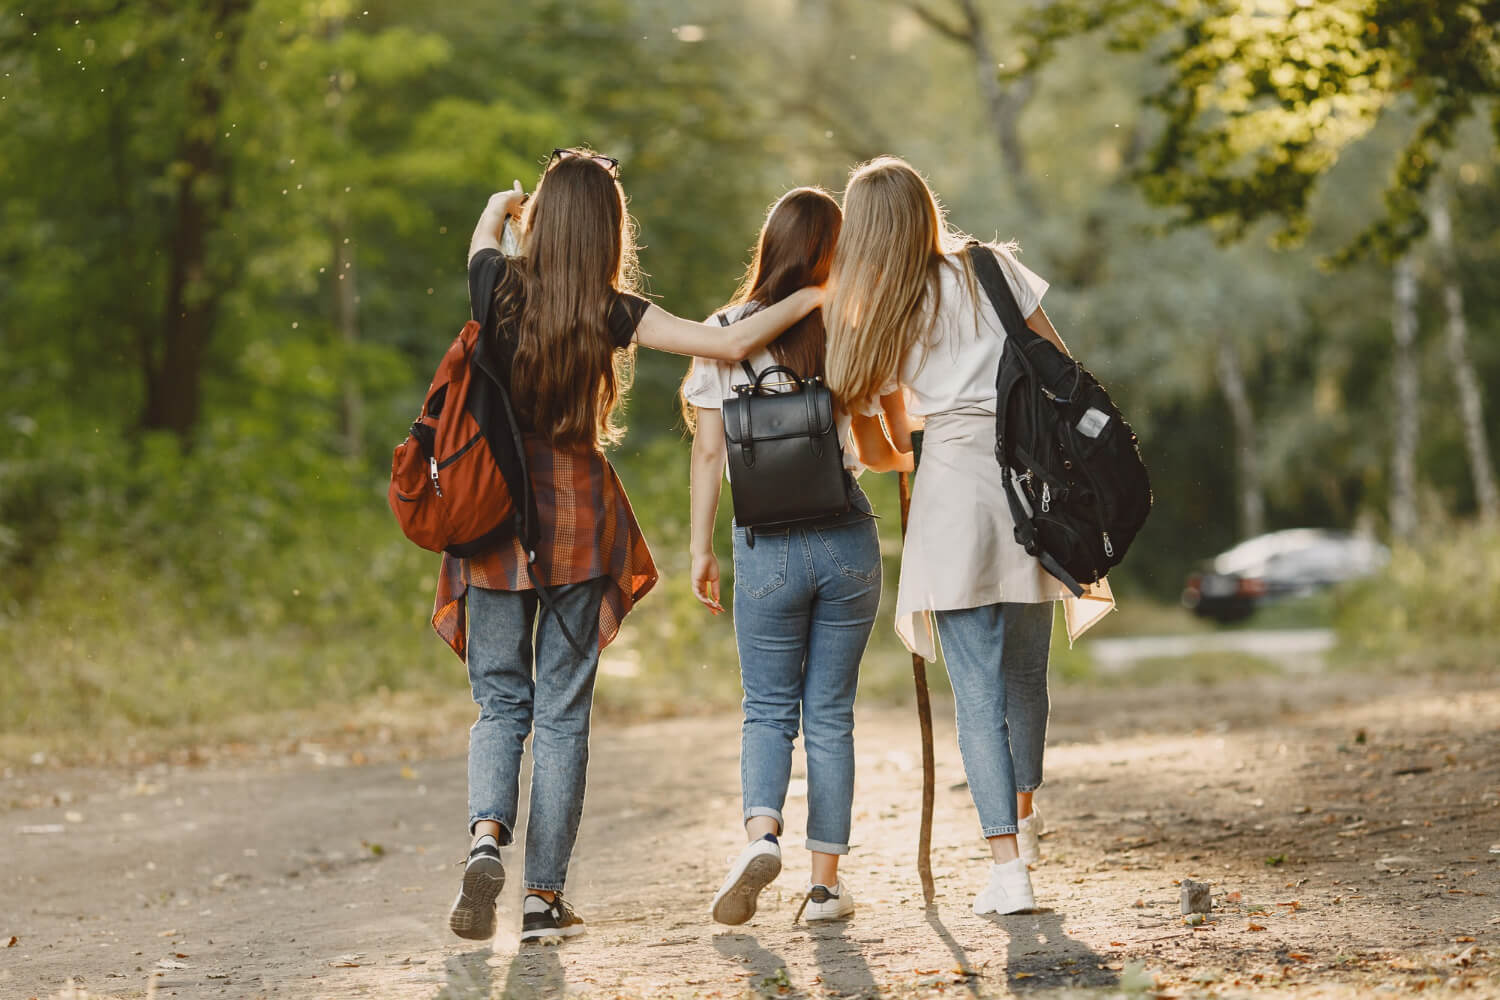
[[1046, 497], [432, 471], [1109, 547]]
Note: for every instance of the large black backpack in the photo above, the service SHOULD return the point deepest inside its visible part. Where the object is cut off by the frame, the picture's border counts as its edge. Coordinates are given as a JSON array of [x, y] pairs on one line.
[[1077, 485]]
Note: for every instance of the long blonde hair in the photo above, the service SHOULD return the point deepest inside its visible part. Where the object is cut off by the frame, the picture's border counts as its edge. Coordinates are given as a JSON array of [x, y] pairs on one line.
[[886, 276]]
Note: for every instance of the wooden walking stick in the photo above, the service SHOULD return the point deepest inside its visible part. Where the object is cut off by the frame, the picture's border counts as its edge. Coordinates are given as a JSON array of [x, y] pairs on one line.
[[924, 721]]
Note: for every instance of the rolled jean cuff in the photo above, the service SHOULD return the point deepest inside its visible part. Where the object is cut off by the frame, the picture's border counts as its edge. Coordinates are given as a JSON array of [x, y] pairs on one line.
[[506, 838], [775, 814], [825, 847], [542, 886], [1024, 789], [999, 831]]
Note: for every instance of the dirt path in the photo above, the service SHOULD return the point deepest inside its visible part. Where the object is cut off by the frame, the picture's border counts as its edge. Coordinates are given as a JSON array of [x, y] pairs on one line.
[[314, 875]]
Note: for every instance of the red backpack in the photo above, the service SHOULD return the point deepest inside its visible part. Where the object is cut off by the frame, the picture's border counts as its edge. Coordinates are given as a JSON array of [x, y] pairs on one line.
[[454, 479]]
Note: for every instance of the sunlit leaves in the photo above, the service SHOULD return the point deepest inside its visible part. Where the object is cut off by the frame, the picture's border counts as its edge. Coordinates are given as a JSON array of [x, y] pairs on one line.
[[1263, 96]]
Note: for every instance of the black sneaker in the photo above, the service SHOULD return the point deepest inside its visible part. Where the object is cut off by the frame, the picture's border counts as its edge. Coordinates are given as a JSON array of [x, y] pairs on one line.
[[557, 919], [473, 914]]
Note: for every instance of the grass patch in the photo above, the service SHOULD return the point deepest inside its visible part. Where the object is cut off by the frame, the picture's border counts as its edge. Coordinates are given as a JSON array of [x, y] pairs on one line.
[[1432, 608], [1206, 669]]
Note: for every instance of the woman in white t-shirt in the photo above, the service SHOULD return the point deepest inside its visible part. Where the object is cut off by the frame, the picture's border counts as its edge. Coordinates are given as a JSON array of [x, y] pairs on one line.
[[805, 596], [905, 308]]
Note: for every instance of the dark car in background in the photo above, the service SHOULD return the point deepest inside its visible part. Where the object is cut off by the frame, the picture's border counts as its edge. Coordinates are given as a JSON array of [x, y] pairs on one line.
[[1291, 563]]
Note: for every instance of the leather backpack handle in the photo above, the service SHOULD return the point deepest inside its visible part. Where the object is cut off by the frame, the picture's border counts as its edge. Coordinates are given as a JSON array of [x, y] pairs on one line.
[[781, 369]]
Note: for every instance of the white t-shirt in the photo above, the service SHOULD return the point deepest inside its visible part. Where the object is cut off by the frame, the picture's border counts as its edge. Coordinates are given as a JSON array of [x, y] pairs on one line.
[[712, 382], [954, 367]]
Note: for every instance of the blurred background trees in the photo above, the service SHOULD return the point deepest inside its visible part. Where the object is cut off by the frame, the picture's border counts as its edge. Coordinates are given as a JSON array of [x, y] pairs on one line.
[[232, 252]]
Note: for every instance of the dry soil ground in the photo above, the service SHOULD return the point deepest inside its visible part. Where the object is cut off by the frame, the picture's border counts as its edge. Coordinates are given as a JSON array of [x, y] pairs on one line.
[[1350, 826]]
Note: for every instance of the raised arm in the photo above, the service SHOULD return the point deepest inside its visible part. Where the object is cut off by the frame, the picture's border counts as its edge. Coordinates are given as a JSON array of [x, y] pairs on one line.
[[662, 331], [502, 205], [706, 480]]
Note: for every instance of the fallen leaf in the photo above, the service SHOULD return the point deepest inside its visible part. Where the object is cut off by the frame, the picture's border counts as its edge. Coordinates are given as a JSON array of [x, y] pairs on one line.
[[1255, 927], [1117, 944], [12, 941], [1299, 956], [1023, 975], [408, 773], [1233, 897], [181, 954], [1462, 940], [1295, 904]]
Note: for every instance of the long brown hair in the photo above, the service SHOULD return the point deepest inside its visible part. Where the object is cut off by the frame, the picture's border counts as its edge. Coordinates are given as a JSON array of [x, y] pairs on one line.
[[795, 249], [578, 252]]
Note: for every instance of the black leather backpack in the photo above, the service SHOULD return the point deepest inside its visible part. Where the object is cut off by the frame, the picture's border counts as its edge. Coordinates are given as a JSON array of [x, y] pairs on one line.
[[786, 464], [1070, 454]]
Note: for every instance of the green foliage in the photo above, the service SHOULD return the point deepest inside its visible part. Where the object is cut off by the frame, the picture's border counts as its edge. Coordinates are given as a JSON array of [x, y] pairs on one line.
[[1259, 102], [251, 563], [1432, 607]]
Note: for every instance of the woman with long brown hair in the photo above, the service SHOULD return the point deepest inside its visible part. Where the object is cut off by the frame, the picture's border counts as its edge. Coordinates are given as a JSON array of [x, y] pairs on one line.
[[905, 310], [805, 596], [563, 320]]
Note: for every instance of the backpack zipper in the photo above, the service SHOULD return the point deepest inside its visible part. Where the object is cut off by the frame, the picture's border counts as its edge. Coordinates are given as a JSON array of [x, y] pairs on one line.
[[432, 471], [1046, 497], [1109, 547]]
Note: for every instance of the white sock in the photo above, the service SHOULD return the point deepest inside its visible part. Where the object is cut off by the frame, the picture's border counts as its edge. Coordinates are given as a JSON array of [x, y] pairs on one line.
[[534, 904], [1015, 864]]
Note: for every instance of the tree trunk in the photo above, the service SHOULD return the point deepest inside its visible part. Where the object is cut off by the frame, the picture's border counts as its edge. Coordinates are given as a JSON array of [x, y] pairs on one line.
[[1406, 379], [1465, 381], [174, 372], [345, 286], [1248, 488], [1003, 106], [346, 308]]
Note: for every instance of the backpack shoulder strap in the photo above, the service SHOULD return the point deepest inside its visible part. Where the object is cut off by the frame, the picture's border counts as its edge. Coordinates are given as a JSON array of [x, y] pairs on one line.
[[997, 289], [724, 321]]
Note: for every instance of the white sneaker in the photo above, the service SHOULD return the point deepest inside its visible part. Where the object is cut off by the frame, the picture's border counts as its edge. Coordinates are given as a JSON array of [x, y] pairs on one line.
[[1029, 838], [1009, 890], [752, 871], [825, 903]]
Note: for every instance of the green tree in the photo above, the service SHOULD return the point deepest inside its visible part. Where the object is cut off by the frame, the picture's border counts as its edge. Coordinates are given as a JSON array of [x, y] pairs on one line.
[[1260, 100]]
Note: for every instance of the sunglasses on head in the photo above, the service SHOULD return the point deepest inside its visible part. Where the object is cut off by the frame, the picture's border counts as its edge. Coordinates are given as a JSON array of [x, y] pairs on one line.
[[607, 162]]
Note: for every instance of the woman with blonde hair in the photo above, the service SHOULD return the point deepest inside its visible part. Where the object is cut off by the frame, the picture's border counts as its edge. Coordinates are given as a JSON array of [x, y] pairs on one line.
[[905, 310], [805, 594]]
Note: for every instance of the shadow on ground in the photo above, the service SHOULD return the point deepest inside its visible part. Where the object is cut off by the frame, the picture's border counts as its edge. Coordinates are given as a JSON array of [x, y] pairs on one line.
[[1041, 955]]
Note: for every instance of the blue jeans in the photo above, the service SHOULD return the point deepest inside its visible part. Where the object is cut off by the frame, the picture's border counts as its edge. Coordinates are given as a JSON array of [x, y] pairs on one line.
[[996, 657], [501, 663], [804, 605]]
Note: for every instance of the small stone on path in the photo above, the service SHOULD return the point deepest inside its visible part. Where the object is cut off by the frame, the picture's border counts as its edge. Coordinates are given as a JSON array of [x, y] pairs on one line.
[[1197, 897]]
